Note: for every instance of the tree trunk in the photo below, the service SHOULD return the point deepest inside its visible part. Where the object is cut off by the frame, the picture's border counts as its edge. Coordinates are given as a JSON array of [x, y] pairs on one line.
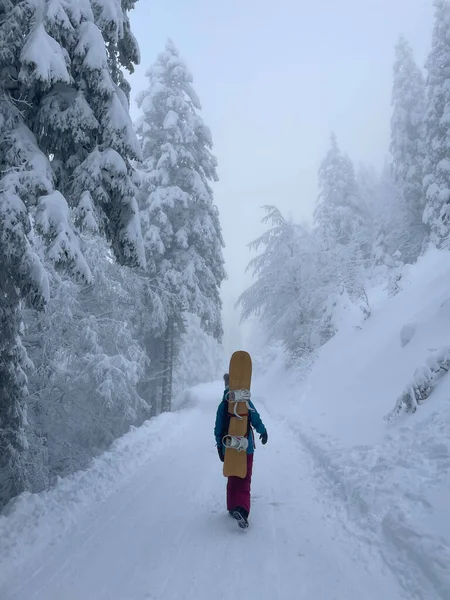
[[168, 367], [150, 387], [13, 442]]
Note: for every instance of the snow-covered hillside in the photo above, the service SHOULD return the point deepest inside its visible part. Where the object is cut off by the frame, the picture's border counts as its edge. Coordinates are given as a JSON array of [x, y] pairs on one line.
[[392, 478]]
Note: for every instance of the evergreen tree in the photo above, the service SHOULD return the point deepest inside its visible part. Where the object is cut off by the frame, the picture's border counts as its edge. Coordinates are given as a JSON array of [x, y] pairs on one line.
[[340, 212], [122, 47], [287, 300], [390, 235], [25, 45], [407, 148], [437, 128], [26, 182], [181, 226], [22, 278], [368, 182], [81, 116], [65, 73], [65, 135], [88, 360], [341, 219]]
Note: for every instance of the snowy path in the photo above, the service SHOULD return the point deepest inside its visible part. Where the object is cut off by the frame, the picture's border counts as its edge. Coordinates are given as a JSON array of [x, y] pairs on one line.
[[166, 535]]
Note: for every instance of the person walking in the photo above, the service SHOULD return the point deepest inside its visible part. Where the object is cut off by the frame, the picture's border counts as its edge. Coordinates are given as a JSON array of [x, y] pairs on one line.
[[238, 489]]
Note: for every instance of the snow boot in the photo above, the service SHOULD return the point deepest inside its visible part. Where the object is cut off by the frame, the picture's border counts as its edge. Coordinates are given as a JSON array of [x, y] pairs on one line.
[[241, 516]]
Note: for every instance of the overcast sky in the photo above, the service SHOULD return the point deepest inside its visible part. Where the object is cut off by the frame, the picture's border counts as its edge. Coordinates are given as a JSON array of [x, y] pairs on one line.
[[274, 78]]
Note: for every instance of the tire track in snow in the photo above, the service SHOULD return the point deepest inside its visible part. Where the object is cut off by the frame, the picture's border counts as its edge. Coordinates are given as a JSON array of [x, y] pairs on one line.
[[316, 551], [425, 577]]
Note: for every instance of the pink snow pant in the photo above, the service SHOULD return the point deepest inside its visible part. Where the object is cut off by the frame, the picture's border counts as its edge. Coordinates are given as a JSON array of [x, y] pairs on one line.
[[238, 489]]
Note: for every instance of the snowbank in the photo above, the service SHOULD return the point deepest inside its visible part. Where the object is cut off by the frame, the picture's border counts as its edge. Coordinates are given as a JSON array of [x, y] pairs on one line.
[[35, 521], [394, 477]]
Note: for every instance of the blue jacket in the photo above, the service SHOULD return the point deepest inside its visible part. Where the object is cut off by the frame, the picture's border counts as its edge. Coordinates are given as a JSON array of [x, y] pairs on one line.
[[222, 421]]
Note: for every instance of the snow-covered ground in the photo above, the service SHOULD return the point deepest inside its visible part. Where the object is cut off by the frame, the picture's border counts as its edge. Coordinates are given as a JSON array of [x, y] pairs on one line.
[[148, 521], [345, 505]]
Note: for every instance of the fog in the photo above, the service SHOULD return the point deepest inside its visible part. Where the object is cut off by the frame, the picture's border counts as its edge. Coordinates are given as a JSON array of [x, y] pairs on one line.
[[274, 79]]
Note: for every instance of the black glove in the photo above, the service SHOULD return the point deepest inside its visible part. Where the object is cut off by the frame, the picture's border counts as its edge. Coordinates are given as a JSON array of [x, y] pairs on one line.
[[263, 438], [220, 452]]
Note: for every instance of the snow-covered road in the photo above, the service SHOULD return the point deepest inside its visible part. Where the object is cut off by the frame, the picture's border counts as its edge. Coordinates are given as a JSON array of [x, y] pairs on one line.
[[164, 533]]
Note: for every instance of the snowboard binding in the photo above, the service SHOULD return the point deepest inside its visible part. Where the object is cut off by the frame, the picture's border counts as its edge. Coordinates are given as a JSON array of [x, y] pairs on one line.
[[239, 396], [237, 442]]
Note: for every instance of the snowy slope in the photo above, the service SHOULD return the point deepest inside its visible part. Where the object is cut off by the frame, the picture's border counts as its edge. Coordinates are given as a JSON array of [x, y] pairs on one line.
[[392, 480], [158, 530]]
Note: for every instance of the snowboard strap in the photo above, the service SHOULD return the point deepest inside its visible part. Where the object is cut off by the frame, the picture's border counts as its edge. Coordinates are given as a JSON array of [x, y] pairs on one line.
[[231, 415], [227, 415], [236, 396]]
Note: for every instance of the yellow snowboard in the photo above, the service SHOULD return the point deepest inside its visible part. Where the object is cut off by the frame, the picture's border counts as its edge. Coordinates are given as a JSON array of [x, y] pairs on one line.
[[235, 462]]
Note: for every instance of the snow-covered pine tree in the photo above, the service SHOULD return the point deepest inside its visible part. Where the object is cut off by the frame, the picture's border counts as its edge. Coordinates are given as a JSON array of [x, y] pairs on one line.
[[341, 220], [60, 106], [24, 42], [88, 360], [437, 129], [122, 47], [340, 211], [407, 148], [26, 181], [24, 175], [181, 225], [80, 115], [380, 196], [389, 228], [288, 300], [368, 182]]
